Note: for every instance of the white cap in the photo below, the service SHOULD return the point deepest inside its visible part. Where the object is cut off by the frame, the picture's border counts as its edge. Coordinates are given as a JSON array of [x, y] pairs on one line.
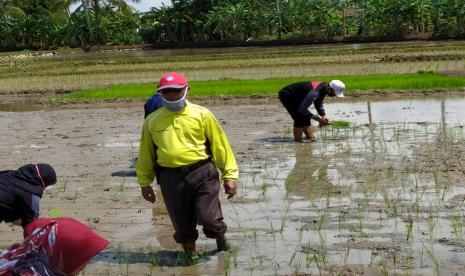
[[338, 87]]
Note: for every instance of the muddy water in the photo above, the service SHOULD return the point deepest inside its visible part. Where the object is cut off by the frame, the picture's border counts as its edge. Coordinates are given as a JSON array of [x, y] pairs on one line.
[[385, 195]]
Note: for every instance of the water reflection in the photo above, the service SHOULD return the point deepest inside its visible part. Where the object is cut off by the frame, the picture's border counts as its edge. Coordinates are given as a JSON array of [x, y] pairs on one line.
[[443, 109], [309, 177], [21, 106]]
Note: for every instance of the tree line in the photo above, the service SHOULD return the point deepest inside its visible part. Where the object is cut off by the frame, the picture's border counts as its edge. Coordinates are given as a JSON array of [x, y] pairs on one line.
[[33, 24]]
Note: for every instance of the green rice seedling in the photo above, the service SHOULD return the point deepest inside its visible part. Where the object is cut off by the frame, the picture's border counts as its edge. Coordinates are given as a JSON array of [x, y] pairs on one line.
[[254, 178], [272, 231], [291, 260], [233, 253], [394, 257], [409, 226], [283, 222], [418, 200], [347, 252], [461, 203], [437, 182], [308, 258], [297, 264], [383, 267], [154, 259], [227, 263], [120, 256], [457, 225], [264, 187], [287, 131], [431, 222], [231, 258], [300, 232], [242, 229], [340, 124], [397, 134], [390, 172], [360, 219], [75, 196], [341, 218], [64, 186], [374, 254], [122, 185], [254, 235], [434, 260], [54, 213]]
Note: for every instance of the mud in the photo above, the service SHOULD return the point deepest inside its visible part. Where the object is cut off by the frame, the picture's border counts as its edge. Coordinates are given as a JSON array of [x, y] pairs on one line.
[[385, 196]]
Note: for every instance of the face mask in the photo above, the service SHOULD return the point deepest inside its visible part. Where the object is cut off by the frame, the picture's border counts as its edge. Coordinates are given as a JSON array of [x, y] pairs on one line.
[[175, 106]]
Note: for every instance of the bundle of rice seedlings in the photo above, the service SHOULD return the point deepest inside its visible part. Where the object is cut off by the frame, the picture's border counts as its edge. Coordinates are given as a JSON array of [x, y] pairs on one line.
[[341, 124]]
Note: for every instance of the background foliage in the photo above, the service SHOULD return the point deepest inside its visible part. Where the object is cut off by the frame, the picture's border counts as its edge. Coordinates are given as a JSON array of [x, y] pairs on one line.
[[34, 24]]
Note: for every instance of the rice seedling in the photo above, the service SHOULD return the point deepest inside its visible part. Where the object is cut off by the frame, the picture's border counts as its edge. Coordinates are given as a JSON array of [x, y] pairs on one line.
[[122, 185], [227, 263], [431, 222], [154, 259], [284, 219], [120, 255], [457, 225], [340, 124], [54, 213], [461, 203], [409, 227], [65, 185], [360, 219], [383, 267], [434, 260]]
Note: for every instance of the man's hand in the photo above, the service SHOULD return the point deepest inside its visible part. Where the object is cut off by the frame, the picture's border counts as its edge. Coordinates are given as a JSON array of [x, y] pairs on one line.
[[230, 187], [148, 194], [323, 121]]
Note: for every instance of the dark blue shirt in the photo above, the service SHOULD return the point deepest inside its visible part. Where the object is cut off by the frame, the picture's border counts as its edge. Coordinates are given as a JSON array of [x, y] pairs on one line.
[[315, 97], [152, 104]]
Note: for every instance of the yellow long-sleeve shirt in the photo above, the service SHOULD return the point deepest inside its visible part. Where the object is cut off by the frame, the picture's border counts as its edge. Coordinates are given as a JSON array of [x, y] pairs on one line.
[[180, 139]]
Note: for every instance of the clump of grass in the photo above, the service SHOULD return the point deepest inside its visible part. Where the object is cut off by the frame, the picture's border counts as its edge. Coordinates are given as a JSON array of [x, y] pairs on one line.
[[54, 213], [340, 124]]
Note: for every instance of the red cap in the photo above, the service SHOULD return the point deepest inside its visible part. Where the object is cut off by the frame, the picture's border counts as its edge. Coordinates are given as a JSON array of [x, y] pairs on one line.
[[172, 80]]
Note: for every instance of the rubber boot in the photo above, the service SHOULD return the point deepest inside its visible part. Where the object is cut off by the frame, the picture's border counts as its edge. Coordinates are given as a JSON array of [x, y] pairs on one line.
[[190, 251], [222, 244]]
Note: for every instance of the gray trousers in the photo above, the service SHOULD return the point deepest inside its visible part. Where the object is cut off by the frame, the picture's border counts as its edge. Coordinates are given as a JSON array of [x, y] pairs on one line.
[[191, 198]]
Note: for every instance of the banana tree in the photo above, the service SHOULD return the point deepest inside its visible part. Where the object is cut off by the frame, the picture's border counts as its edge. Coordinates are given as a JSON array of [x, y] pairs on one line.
[[92, 10]]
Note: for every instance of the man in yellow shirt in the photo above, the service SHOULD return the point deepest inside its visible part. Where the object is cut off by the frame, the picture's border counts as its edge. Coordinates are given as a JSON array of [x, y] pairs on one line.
[[180, 145]]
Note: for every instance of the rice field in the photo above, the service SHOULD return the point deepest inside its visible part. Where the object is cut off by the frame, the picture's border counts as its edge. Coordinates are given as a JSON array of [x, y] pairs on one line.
[[380, 192], [52, 71]]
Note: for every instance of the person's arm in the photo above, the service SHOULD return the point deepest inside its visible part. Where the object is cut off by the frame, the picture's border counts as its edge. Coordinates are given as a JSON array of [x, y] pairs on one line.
[[222, 154], [28, 207], [146, 163], [304, 106], [318, 103]]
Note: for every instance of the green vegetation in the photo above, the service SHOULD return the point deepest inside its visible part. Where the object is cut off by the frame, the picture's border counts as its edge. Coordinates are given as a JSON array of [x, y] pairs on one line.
[[49, 71], [32, 24], [355, 84], [340, 124]]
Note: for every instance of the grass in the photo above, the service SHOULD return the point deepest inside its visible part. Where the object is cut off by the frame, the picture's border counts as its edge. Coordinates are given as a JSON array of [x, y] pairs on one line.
[[355, 84]]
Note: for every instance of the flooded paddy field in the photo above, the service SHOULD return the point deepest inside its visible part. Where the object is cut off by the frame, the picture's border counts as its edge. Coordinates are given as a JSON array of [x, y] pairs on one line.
[[52, 72], [384, 196]]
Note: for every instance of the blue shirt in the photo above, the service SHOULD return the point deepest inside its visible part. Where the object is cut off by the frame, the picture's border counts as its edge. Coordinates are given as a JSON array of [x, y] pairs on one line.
[[152, 104]]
